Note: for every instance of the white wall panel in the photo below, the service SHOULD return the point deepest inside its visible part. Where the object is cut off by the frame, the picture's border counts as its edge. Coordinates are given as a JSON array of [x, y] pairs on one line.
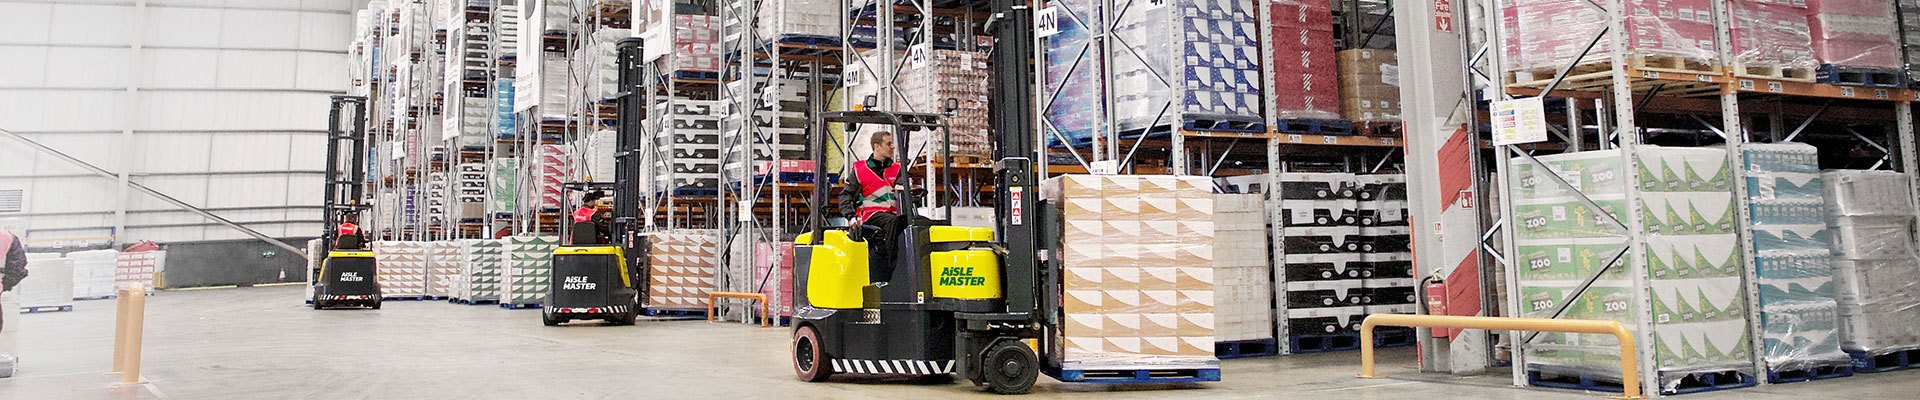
[[328, 5], [248, 69], [86, 147], [234, 110], [325, 32], [250, 152], [26, 110], [185, 234], [246, 191], [88, 67], [179, 68], [322, 71], [25, 23], [187, 188], [173, 152], [255, 29], [192, 3], [86, 24], [308, 152], [71, 195], [22, 66], [16, 160], [80, 110], [183, 27]]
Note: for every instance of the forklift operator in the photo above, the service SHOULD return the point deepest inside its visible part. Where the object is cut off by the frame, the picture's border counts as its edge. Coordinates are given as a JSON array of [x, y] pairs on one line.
[[869, 198], [349, 238], [591, 224]]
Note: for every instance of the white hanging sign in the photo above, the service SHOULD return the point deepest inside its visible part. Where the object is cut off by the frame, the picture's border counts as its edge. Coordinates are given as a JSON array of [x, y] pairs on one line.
[[1519, 121]]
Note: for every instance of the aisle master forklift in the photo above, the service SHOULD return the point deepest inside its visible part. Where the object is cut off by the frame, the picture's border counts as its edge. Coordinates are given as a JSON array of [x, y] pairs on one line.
[[953, 299], [348, 276]]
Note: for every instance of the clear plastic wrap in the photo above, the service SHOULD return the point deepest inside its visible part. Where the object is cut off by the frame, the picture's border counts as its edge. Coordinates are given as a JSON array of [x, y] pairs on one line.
[[555, 168], [1243, 292], [1369, 85], [681, 268], [1546, 34], [1304, 73], [93, 273], [1076, 111], [1791, 262], [443, 267], [1138, 278], [527, 269], [1196, 60], [1770, 35], [949, 74], [503, 182], [138, 266], [50, 283], [1855, 33], [470, 200], [1876, 271], [779, 18], [403, 267], [481, 268]]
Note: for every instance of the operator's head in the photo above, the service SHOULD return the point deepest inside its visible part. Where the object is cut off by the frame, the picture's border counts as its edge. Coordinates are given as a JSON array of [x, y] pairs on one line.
[[591, 197], [882, 145]]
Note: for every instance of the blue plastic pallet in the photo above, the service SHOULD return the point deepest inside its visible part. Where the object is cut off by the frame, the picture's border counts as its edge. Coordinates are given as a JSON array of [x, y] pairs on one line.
[[1137, 375], [1224, 124], [1568, 378], [1809, 373], [403, 298], [805, 40], [1860, 76], [472, 302], [1322, 343], [696, 75], [1707, 382], [511, 306], [32, 310], [106, 297], [1394, 338], [674, 313], [1335, 127], [434, 298], [1883, 361], [1246, 348]]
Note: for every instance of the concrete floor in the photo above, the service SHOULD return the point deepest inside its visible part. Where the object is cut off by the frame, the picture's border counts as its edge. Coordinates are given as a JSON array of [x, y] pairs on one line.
[[260, 343]]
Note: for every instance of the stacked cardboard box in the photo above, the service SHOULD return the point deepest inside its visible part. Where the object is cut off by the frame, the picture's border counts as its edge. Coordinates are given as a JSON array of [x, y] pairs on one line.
[[51, 283], [1299, 37], [1549, 33], [1341, 244], [436, 198], [467, 112], [598, 161], [315, 253], [139, 266], [1386, 258], [1769, 33], [1243, 283], [480, 270], [681, 268], [503, 179], [443, 268], [1791, 260], [1855, 33], [1192, 61], [686, 138], [93, 273], [528, 269], [1078, 110], [1369, 85], [818, 18], [555, 169], [1691, 265], [779, 114], [1910, 35], [949, 74], [1137, 258], [1875, 270], [403, 268], [696, 43], [470, 199]]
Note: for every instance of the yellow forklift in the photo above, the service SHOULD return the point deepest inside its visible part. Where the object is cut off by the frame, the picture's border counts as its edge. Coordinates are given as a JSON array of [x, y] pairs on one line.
[[590, 277]]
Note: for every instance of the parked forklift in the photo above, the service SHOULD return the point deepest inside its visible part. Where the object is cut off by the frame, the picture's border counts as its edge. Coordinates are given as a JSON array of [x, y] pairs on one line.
[[591, 278], [348, 276]]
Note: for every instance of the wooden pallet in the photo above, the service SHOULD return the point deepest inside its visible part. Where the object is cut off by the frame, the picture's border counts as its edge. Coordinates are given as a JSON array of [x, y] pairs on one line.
[[1773, 71], [1598, 73]]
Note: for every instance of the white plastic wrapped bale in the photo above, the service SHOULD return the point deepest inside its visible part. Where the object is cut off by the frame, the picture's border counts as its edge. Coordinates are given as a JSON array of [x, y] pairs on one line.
[[480, 271], [813, 19], [681, 265], [138, 267], [443, 267], [315, 253], [93, 273], [529, 269], [599, 159], [1138, 284], [503, 180], [1876, 273], [1243, 285], [49, 283], [403, 268], [1791, 261]]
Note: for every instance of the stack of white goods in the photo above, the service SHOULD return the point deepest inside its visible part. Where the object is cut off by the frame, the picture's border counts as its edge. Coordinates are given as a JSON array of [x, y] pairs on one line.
[[468, 111], [686, 136], [595, 67], [1243, 282], [810, 18], [509, 24], [681, 267], [1690, 264], [555, 169], [529, 269], [1875, 271], [555, 79], [443, 268], [403, 268], [480, 271], [599, 159], [1791, 258], [139, 267], [503, 183], [470, 197], [779, 114], [1386, 258], [93, 273], [1320, 273], [50, 283], [315, 253], [1137, 257], [436, 199]]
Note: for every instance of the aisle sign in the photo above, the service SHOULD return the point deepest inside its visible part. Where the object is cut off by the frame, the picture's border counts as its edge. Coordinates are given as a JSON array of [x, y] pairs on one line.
[[1519, 121]]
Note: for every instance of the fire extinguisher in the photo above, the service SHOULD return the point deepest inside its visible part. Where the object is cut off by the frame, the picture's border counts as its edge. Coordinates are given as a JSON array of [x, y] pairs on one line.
[[1436, 302]]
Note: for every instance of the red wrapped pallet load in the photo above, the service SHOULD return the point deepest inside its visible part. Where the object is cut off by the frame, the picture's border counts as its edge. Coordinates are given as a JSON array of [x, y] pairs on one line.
[[1544, 35], [1768, 36], [1854, 33], [1300, 36]]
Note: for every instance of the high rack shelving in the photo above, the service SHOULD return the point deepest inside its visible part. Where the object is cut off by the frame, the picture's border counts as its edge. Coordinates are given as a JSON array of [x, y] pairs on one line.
[[1609, 96]]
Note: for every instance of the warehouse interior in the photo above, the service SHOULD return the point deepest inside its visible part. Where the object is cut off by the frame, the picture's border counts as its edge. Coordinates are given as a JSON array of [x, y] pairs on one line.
[[959, 198]]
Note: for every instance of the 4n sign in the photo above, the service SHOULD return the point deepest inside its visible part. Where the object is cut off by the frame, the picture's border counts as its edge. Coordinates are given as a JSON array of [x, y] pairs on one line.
[[1443, 15]]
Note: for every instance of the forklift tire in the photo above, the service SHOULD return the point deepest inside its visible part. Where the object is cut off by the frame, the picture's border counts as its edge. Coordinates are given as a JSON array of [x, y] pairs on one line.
[[549, 319], [376, 305], [1010, 367], [624, 319], [809, 359]]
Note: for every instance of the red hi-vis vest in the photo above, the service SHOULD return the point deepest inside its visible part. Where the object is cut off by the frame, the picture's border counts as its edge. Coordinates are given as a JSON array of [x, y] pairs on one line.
[[877, 190], [583, 214], [348, 228]]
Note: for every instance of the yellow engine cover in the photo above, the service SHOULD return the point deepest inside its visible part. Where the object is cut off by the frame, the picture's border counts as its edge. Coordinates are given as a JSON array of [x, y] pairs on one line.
[[972, 274], [837, 272]]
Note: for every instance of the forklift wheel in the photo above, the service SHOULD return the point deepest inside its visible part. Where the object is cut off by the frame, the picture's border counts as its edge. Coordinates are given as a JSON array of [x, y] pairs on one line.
[[549, 319], [624, 319], [1010, 367], [809, 360], [376, 305]]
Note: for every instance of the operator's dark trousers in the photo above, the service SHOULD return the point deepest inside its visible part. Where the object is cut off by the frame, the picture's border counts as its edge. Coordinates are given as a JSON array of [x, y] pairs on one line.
[[882, 246]]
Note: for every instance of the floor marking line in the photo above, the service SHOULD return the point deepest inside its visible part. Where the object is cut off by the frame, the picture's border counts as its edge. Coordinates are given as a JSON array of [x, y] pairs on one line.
[[1371, 386]]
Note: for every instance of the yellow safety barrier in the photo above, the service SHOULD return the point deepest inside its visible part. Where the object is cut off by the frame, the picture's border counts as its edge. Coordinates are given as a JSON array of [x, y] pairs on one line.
[[128, 325], [766, 310], [1629, 361]]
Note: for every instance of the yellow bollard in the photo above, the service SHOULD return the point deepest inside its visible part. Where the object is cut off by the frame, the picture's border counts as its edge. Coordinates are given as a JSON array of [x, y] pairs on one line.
[[120, 329], [136, 321], [1629, 361]]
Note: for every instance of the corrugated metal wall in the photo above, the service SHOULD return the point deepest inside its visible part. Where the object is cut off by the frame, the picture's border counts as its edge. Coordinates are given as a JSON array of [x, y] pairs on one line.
[[219, 103]]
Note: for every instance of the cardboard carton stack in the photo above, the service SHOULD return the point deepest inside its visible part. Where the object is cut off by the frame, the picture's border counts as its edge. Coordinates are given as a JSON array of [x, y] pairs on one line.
[[1137, 257], [681, 268], [1691, 267], [779, 113], [1855, 33], [1386, 258], [50, 283], [443, 268], [1876, 273], [470, 194], [1299, 37], [686, 137], [950, 74], [1243, 284], [528, 269], [1342, 252], [1791, 260], [93, 273], [503, 180], [1543, 35], [480, 271], [816, 18], [555, 169], [1369, 85], [402, 267], [1073, 74]]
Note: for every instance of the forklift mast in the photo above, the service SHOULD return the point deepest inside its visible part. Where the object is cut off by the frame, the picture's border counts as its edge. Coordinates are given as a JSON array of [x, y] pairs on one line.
[[1013, 133], [344, 190], [627, 154]]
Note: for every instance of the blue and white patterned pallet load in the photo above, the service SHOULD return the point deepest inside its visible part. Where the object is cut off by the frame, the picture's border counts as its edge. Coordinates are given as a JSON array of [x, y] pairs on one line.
[[1791, 263]]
